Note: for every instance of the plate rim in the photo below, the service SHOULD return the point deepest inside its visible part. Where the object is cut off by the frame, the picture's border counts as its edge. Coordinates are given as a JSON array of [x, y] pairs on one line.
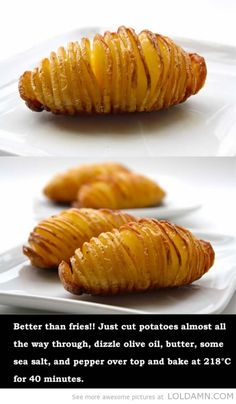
[[191, 206]]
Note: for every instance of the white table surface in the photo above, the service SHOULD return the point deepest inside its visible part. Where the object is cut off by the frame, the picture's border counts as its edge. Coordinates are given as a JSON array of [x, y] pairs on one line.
[[211, 180], [25, 23]]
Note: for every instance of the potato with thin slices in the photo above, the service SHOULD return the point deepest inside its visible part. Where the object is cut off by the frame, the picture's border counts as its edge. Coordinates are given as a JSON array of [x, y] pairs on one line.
[[56, 238], [64, 187], [137, 257], [123, 190], [119, 72]]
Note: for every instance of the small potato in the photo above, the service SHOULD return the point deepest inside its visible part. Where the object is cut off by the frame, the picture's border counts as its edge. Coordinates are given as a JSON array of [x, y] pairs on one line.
[[147, 254], [120, 72], [56, 238]]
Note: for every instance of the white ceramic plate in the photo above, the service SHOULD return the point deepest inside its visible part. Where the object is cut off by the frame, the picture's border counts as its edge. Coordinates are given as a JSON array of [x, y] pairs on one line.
[[25, 286], [204, 125], [179, 201]]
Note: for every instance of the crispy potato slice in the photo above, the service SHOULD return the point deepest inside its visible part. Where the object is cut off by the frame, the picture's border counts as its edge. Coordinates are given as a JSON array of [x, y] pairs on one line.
[[102, 67], [80, 71], [44, 75], [123, 54], [166, 57], [198, 69], [63, 77], [25, 86], [57, 95], [143, 87], [116, 71], [75, 81], [189, 76], [120, 73], [183, 77], [169, 92], [92, 85], [37, 86], [26, 91], [131, 69], [83, 93], [69, 78], [180, 78], [154, 63]]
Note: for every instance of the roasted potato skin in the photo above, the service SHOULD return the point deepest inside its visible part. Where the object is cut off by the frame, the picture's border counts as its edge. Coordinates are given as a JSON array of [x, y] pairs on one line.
[[137, 257], [64, 187], [120, 72], [123, 190], [56, 238]]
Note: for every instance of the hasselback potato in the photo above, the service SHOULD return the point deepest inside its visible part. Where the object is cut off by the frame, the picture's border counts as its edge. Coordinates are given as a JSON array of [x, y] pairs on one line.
[[56, 238], [139, 256], [120, 191], [120, 72], [64, 187]]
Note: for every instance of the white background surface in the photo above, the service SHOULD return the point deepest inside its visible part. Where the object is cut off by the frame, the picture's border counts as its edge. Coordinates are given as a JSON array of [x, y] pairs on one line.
[[211, 180], [25, 23]]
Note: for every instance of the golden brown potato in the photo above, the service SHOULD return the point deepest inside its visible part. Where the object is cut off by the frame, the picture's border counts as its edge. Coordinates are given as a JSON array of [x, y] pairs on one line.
[[56, 238], [123, 190], [120, 72], [64, 187], [142, 255]]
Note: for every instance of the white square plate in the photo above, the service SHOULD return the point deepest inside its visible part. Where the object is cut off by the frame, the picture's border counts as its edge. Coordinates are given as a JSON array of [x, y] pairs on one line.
[[204, 125], [25, 286]]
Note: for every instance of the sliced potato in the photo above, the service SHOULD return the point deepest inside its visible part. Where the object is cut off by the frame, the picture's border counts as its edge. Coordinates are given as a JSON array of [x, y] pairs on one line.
[[173, 74], [75, 82], [83, 94], [68, 78], [63, 77], [44, 75], [116, 71], [154, 63], [143, 76], [57, 96], [189, 77], [194, 70], [81, 71], [177, 77], [122, 72], [37, 86], [167, 56], [92, 85], [131, 69], [114, 41], [182, 78], [123, 54], [102, 67]]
